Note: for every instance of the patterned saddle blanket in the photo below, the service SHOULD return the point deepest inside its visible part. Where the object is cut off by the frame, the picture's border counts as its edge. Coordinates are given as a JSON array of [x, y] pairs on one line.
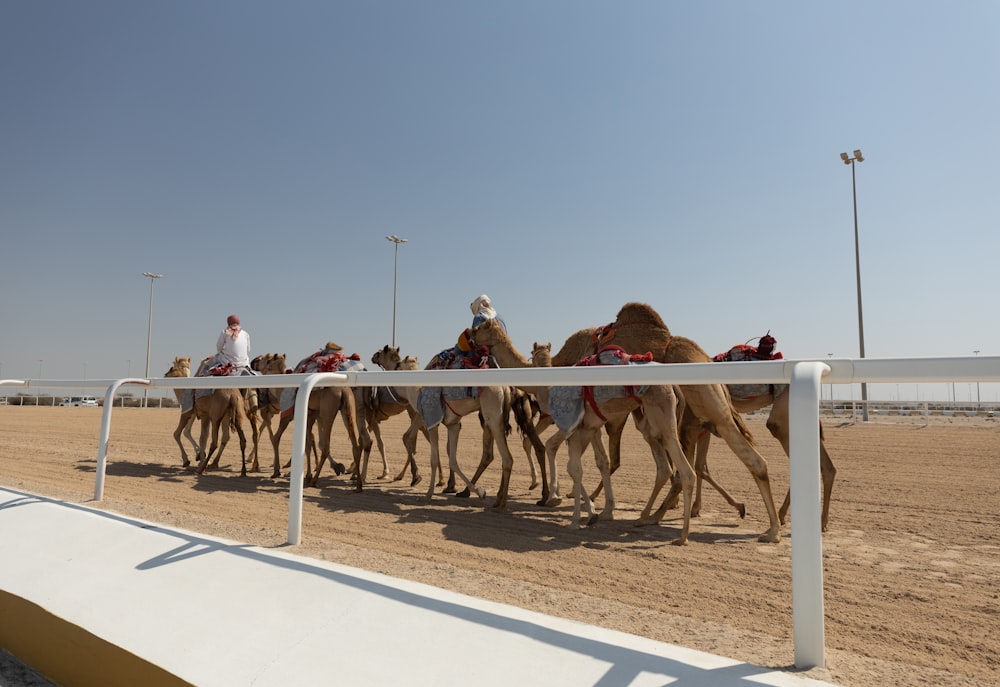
[[431, 400], [321, 361], [567, 403]]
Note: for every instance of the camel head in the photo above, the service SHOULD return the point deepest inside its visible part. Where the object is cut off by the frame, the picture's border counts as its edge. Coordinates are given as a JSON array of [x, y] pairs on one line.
[[269, 363], [409, 363], [181, 367], [387, 358], [541, 354], [488, 333]]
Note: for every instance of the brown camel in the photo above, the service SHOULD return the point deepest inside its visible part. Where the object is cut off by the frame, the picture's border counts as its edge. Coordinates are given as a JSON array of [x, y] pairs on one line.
[[638, 328], [220, 408], [659, 429], [268, 399], [181, 367], [323, 405], [493, 404], [389, 402], [487, 334]]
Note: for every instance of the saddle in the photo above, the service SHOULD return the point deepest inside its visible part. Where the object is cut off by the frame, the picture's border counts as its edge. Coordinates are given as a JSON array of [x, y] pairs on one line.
[[745, 352], [740, 352], [448, 359]]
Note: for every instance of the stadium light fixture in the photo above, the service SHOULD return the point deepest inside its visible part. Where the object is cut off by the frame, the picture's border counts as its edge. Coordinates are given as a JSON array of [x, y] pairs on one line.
[[857, 264]]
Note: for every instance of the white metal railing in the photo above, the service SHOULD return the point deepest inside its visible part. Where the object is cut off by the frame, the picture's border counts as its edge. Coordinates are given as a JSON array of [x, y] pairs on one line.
[[804, 377]]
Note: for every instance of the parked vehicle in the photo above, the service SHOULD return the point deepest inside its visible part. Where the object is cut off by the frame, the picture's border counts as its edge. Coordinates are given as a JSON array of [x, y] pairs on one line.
[[83, 401]]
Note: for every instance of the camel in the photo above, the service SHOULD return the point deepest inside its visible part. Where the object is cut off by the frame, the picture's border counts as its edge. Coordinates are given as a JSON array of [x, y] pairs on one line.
[[638, 328], [324, 404], [181, 367], [269, 399], [541, 357], [382, 405], [494, 406], [659, 429], [220, 408]]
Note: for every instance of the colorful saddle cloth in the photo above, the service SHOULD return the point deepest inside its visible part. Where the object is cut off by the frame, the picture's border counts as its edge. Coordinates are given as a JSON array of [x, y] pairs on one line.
[[321, 361], [745, 352], [567, 403]]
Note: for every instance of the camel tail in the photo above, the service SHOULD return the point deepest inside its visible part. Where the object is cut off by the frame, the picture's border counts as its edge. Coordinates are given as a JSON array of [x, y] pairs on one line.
[[521, 414], [744, 430]]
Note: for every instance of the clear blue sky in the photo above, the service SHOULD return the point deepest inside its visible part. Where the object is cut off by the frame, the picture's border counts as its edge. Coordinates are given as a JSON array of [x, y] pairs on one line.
[[563, 157]]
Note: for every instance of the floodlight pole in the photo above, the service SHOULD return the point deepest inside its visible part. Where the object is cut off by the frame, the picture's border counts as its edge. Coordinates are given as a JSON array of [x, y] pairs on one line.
[[395, 261], [858, 157], [149, 333]]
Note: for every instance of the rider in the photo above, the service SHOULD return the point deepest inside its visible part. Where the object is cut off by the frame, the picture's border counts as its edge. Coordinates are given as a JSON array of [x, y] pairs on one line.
[[482, 310], [233, 347]]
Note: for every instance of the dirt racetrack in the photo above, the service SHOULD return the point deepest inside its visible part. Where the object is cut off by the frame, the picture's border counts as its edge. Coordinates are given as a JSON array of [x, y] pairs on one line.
[[912, 558]]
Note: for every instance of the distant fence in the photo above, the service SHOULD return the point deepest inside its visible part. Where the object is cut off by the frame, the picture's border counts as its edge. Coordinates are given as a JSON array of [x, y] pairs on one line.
[[803, 376]]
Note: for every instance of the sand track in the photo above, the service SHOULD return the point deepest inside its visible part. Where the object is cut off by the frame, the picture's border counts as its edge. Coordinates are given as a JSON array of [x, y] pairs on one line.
[[912, 559]]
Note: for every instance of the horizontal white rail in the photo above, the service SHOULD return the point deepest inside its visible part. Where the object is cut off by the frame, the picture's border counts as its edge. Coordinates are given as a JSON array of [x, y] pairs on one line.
[[804, 377]]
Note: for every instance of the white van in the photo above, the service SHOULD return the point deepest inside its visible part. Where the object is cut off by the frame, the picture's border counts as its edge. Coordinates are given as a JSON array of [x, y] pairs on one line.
[[84, 401]]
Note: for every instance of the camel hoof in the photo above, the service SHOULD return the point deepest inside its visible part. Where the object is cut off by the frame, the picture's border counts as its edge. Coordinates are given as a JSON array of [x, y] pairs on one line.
[[451, 490], [743, 512], [480, 492], [416, 480], [680, 541], [499, 507], [553, 501], [769, 537], [464, 494], [275, 475], [534, 485], [383, 475], [339, 468], [592, 520]]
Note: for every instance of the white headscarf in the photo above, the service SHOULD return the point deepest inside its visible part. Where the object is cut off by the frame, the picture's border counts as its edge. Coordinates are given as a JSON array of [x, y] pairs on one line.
[[483, 306]]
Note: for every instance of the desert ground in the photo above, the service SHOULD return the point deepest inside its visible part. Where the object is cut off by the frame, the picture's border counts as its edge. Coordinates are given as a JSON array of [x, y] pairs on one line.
[[911, 558]]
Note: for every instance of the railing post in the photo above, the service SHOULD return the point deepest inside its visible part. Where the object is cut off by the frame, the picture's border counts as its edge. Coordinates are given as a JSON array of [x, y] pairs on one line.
[[807, 536], [102, 444], [299, 428]]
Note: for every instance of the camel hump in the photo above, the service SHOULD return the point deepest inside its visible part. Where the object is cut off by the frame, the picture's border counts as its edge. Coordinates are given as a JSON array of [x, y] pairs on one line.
[[640, 313]]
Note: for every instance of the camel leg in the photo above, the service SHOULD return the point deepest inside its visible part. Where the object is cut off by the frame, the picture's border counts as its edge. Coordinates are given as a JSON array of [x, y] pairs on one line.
[[507, 458], [215, 441], [757, 466], [410, 444], [435, 460], [373, 429], [276, 442], [576, 445], [604, 469], [701, 440], [243, 446], [184, 428], [551, 447], [614, 428], [487, 454], [777, 424], [454, 428], [224, 423], [533, 434]]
